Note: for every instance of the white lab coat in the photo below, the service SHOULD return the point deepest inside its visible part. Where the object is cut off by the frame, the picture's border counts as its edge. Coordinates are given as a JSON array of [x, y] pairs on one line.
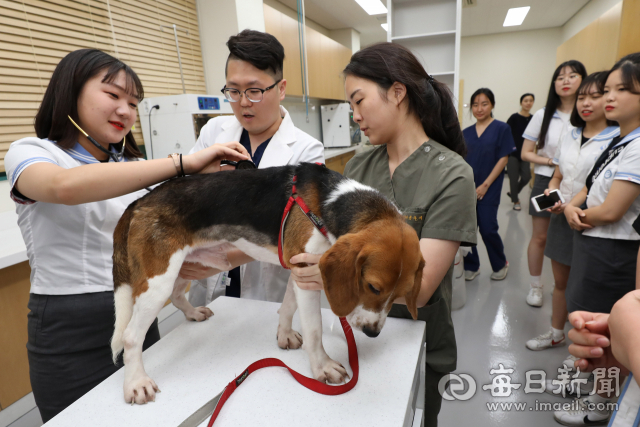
[[288, 146]]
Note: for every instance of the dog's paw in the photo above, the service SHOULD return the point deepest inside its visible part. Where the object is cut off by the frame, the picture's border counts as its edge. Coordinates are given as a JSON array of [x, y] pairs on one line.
[[288, 339], [198, 314], [140, 391], [331, 372]]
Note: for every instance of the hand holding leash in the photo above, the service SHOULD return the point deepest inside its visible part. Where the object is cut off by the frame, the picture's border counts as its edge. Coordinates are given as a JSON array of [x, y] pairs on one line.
[[208, 160]]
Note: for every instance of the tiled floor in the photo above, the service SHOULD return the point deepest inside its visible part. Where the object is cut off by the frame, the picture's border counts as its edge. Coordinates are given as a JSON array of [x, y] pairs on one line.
[[492, 328]]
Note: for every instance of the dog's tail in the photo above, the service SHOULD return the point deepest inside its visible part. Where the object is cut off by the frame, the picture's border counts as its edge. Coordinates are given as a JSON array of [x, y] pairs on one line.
[[123, 300]]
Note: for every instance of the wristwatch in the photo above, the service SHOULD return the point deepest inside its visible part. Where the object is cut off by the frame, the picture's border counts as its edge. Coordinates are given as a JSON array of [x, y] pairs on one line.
[[177, 162]]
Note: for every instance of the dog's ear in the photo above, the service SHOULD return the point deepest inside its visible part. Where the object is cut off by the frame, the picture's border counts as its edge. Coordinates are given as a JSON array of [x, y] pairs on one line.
[[412, 296], [340, 268]]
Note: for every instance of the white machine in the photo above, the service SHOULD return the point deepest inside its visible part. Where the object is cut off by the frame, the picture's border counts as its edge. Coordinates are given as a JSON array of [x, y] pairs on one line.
[[171, 124], [338, 127]]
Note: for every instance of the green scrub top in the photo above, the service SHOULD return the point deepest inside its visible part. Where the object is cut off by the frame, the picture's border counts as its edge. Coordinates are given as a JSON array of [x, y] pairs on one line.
[[434, 190]]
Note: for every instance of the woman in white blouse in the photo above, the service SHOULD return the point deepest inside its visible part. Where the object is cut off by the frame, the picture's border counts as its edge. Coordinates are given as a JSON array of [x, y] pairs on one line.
[[577, 151], [70, 192], [543, 134], [604, 262]]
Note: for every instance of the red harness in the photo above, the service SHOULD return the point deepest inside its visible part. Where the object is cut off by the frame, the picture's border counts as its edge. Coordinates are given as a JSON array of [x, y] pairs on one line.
[[310, 383], [315, 220]]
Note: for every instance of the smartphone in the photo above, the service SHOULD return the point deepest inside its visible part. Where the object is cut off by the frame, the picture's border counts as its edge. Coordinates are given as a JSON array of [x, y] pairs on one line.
[[542, 202]]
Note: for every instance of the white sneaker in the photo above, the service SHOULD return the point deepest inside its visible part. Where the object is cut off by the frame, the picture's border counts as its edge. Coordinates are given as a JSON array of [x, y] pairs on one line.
[[544, 341], [534, 298], [470, 275], [570, 362], [585, 411], [500, 274]]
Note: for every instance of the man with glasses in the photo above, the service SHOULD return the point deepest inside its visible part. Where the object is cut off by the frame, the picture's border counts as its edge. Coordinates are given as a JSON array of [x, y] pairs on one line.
[[254, 87]]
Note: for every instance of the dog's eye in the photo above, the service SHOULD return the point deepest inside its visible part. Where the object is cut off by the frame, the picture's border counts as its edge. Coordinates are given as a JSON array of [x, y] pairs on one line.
[[374, 290]]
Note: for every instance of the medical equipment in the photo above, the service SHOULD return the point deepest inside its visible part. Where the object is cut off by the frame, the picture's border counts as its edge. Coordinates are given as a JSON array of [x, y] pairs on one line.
[[114, 157], [175, 126], [338, 127]]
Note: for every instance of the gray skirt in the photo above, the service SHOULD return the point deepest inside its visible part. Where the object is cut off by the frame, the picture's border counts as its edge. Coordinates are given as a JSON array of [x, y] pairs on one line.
[[540, 183], [602, 272], [559, 240]]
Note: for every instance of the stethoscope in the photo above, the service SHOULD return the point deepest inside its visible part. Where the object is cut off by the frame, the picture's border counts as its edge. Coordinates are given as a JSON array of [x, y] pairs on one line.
[[111, 154], [115, 157]]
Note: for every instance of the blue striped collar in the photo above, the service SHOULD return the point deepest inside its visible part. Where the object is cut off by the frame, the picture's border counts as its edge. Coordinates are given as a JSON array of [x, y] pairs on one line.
[[633, 135], [609, 133], [78, 152], [555, 114]]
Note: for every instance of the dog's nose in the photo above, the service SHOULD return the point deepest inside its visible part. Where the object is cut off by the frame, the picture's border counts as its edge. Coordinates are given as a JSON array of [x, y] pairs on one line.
[[369, 332]]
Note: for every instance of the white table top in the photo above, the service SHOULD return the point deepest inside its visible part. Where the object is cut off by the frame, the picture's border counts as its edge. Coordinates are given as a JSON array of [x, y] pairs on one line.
[[12, 247], [194, 362]]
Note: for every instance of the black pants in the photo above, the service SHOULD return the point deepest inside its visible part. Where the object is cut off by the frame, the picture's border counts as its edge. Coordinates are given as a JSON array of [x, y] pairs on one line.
[[69, 347], [519, 176]]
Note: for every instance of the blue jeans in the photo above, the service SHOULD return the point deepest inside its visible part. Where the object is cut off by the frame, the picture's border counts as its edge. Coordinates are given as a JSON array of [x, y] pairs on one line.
[[488, 225]]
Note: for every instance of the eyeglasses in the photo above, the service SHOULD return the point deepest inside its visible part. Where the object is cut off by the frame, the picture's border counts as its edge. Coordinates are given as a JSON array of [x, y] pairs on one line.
[[253, 94]]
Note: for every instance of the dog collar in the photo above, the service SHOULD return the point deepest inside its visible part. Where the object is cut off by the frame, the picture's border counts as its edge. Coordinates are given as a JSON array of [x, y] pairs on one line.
[[294, 199]]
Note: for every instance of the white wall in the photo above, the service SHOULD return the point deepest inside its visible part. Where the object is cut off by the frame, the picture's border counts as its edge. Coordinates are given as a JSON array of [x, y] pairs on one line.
[[214, 33], [510, 64], [585, 16]]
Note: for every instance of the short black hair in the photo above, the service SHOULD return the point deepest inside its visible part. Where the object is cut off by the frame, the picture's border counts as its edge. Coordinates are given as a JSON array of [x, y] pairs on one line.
[[525, 95], [262, 50], [484, 91], [597, 82], [61, 97]]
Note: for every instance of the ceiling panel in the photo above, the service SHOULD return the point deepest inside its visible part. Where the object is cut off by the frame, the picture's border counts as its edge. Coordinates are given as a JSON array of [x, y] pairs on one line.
[[484, 18], [488, 15]]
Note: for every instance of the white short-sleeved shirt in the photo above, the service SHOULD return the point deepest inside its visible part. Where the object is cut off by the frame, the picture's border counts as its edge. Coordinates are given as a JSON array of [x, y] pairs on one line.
[[69, 247], [559, 124], [576, 160], [625, 167]]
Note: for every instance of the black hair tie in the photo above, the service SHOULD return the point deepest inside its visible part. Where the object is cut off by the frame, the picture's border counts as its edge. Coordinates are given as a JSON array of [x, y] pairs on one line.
[[430, 80]]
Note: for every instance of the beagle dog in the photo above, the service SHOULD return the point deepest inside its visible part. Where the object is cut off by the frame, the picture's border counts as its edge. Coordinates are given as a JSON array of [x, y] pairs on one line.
[[370, 255]]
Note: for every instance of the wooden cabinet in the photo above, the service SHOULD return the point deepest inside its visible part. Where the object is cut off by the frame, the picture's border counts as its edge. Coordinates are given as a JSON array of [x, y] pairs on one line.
[[338, 163], [14, 366], [326, 58], [607, 39], [596, 46]]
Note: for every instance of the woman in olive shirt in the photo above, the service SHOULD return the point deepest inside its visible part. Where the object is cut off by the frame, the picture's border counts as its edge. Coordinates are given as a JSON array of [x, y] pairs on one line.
[[417, 162]]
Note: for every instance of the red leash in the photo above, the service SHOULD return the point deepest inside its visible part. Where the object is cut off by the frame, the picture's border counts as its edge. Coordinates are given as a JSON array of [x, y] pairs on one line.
[[309, 383]]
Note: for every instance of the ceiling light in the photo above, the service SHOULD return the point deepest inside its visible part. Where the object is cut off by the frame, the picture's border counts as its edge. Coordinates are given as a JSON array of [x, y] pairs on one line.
[[515, 16], [372, 7], [385, 26]]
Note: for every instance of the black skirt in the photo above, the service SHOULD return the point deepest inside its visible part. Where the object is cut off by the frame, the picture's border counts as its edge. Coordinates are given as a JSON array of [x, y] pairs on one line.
[[602, 272], [559, 245], [69, 347]]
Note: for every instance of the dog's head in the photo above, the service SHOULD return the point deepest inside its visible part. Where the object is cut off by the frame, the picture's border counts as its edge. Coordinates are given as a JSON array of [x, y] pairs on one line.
[[365, 272]]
